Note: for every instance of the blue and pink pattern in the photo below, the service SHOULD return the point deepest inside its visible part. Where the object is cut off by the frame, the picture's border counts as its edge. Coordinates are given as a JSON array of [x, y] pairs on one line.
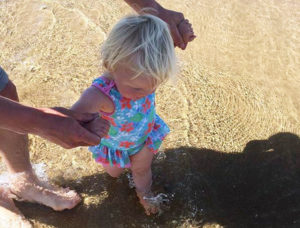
[[134, 124]]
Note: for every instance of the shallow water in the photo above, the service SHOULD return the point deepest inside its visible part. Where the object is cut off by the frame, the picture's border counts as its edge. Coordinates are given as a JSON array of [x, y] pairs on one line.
[[39, 169], [238, 88]]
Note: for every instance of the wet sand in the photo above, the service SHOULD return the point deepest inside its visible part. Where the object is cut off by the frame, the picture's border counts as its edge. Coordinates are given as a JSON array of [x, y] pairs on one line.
[[232, 158]]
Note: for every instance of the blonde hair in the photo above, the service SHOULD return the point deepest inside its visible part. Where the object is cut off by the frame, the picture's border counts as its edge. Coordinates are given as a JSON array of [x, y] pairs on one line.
[[144, 44]]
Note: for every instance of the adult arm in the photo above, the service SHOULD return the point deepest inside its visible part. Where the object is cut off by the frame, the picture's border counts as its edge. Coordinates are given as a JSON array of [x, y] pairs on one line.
[[61, 126], [172, 18]]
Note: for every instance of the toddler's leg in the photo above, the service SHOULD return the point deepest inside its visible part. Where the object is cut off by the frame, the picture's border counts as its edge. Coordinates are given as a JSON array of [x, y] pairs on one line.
[[142, 176], [113, 171]]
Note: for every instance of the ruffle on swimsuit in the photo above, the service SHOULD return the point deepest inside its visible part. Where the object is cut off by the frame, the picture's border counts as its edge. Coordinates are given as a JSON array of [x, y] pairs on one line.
[[134, 124]]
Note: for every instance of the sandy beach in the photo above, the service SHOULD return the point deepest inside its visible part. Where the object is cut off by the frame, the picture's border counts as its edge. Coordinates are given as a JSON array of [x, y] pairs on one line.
[[233, 156]]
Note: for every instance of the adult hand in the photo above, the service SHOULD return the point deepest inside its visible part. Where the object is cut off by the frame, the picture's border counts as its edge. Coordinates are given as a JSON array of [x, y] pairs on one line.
[[186, 30], [98, 126], [173, 19], [65, 127]]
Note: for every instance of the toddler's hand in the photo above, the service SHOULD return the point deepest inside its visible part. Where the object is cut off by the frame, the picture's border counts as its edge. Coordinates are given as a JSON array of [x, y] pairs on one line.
[[98, 126], [186, 31]]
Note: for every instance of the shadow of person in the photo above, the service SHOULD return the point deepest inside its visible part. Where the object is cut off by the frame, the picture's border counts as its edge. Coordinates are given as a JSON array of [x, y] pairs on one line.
[[258, 187]]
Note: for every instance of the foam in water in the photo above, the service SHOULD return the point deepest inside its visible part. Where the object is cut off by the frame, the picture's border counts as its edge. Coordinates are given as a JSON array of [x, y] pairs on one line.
[[130, 180], [39, 170], [159, 201]]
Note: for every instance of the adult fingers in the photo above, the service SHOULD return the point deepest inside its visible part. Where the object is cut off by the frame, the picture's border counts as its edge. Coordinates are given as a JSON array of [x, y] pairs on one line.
[[173, 19], [62, 144], [82, 117], [85, 117], [101, 133], [62, 110], [102, 128], [106, 125], [177, 38], [88, 138], [192, 38]]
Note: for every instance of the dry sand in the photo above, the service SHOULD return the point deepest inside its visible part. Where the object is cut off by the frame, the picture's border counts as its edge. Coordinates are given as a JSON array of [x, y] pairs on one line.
[[232, 158]]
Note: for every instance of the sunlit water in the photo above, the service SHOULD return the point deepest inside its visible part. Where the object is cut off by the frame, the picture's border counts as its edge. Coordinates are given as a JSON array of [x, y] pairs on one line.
[[241, 72], [239, 79], [39, 169]]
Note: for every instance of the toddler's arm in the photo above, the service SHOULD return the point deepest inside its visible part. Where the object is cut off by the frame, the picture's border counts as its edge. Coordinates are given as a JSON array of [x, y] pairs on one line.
[[93, 100]]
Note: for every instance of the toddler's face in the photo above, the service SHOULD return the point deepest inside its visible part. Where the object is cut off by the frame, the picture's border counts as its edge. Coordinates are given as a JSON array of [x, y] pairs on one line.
[[130, 88]]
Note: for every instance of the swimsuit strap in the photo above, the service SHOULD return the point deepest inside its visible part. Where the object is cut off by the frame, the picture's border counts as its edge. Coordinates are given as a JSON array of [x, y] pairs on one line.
[[105, 86], [105, 89]]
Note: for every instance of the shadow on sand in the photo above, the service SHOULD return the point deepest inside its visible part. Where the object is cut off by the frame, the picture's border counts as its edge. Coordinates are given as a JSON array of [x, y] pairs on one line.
[[258, 187]]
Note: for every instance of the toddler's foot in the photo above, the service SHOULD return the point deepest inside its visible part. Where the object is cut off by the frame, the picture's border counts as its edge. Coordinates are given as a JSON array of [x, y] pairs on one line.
[[10, 216], [28, 187], [150, 207]]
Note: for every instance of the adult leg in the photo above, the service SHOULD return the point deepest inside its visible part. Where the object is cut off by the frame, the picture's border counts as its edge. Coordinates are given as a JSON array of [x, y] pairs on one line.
[[13, 146], [10, 216], [142, 177], [24, 183]]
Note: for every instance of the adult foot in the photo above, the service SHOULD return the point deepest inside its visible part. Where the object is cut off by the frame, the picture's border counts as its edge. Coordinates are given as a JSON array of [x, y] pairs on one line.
[[26, 186], [10, 216]]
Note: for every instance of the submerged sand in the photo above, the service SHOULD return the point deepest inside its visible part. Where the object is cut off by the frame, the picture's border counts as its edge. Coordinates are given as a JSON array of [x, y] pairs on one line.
[[232, 158]]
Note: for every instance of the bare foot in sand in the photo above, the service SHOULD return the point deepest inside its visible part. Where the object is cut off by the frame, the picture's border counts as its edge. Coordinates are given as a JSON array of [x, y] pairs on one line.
[[150, 207], [10, 216], [27, 187]]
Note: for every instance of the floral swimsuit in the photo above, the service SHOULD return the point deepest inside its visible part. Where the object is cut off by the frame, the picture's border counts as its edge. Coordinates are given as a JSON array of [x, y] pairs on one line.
[[134, 124]]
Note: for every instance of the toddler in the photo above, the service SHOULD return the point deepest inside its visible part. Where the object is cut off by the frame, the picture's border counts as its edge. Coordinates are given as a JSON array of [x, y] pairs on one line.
[[138, 56]]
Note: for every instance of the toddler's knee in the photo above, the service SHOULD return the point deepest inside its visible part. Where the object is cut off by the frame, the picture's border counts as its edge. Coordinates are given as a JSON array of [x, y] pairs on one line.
[[114, 172]]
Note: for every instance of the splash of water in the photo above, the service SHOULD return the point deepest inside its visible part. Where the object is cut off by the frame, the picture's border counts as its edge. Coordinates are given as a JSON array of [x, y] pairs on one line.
[[159, 201], [130, 180], [160, 156], [39, 169]]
